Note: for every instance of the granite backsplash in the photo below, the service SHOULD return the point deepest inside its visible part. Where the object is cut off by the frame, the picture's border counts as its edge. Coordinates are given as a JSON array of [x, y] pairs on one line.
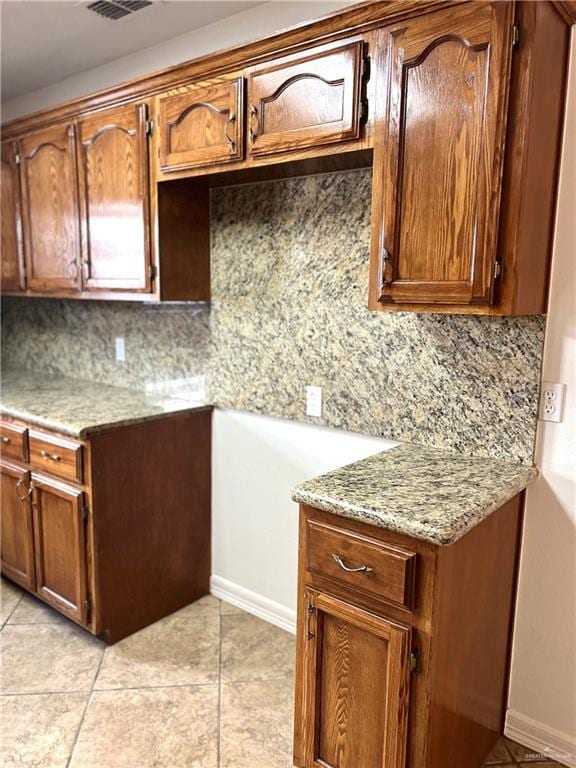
[[289, 294]]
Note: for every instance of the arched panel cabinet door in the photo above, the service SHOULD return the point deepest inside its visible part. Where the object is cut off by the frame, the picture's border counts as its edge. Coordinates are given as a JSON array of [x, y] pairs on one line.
[[115, 199], [12, 271], [306, 100], [50, 209], [438, 157], [201, 124]]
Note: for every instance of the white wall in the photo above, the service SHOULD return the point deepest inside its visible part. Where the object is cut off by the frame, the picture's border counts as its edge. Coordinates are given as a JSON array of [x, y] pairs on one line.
[[256, 461], [241, 28], [543, 685]]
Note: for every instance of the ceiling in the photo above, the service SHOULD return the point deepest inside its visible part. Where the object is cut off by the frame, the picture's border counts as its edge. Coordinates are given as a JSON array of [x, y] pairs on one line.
[[44, 41]]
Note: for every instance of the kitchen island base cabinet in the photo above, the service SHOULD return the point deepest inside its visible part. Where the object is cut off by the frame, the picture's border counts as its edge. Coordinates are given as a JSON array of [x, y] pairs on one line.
[[380, 685], [128, 541]]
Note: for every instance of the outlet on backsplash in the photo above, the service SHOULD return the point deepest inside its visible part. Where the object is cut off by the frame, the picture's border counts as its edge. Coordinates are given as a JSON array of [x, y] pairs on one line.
[[552, 401], [120, 349]]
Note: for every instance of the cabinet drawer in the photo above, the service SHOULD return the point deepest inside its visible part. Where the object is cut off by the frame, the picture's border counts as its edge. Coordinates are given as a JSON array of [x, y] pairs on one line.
[[14, 441], [56, 455], [361, 563]]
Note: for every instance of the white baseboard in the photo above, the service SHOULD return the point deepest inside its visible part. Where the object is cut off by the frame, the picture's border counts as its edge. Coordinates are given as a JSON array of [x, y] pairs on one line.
[[541, 738], [252, 602]]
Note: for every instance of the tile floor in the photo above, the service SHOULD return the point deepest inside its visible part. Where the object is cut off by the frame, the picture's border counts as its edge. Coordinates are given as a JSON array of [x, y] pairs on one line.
[[208, 687]]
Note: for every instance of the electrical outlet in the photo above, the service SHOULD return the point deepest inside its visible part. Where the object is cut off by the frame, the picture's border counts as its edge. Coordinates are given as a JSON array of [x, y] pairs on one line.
[[552, 401], [120, 349], [314, 401]]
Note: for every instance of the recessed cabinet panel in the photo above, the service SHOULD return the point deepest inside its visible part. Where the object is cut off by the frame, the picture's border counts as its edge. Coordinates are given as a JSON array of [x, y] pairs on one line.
[[114, 194], [357, 686], [17, 543], [60, 546], [50, 209], [294, 103], [201, 124], [438, 163], [12, 277]]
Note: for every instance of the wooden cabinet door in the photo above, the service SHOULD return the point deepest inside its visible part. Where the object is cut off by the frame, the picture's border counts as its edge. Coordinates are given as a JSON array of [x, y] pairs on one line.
[[356, 690], [60, 546], [17, 543], [114, 196], [438, 157], [202, 124], [305, 101], [50, 209], [12, 273]]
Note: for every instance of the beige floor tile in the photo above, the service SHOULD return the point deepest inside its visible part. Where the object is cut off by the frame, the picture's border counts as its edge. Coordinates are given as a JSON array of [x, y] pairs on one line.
[[252, 649], [523, 754], [499, 755], [10, 596], [179, 650], [39, 730], [256, 724], [45, 658], [227, 609], [150, 728], [30, 610], [206, 606]]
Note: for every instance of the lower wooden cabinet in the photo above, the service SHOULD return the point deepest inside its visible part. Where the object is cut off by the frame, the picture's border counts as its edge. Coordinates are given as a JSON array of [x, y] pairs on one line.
[[382, 683], [17, 546], [126, 542], [357, 672], [60, 546]]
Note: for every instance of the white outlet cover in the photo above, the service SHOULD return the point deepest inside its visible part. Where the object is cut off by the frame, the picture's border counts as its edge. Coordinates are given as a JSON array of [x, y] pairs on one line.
[[552, 401], [120, 349], [314, 401]]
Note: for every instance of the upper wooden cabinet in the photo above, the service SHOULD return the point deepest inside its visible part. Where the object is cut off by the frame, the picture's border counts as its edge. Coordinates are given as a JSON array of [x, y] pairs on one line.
[[12, 273], [306, 100], [201, 124], [114, 196], [50, 209], [438, 174]]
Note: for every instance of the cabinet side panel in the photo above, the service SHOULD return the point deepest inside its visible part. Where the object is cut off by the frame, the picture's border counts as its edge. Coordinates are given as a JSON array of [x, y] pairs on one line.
[[472, 633], [151, 517], [533, 147]]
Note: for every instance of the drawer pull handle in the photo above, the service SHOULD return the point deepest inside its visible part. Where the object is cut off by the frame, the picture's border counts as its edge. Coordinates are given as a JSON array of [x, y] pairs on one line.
[[6, 440], [342, 564], [51, 456]]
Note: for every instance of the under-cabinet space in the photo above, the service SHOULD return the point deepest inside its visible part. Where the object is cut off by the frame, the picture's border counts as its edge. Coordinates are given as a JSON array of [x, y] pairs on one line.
[[50, 211], [12, 268], [115, 199], [201, 124], [306, 100]]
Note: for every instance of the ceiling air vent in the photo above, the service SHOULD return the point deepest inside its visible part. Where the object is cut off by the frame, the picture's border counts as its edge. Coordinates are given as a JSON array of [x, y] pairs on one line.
[[117, 9]]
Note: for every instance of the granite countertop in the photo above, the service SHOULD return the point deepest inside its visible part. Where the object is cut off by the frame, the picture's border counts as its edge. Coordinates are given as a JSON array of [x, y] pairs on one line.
[[419, 492], [76, 407]]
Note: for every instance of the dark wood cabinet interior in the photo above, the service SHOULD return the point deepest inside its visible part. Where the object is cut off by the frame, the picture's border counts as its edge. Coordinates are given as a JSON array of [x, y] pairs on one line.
[[445, 105]]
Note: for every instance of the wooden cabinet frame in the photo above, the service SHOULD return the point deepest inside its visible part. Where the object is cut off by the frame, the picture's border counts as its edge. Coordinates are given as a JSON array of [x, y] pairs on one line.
[[17, 524]]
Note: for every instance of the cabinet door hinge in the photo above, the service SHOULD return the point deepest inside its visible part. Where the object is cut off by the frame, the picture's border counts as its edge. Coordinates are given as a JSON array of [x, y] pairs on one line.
[[152, 271], [84, 514], [149, 127], [366, 68], [414, 661], [364, 110], [87, 605], [17, 158], [497, 270], [515, 36]]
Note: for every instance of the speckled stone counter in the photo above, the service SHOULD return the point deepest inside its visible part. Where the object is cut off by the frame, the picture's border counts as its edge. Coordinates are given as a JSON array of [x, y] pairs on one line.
[[77, 407], [420, 492]]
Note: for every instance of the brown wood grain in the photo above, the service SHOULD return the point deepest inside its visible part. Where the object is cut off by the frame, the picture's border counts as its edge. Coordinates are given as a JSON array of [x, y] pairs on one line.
[[13, 441], [567, 10], [438, 160], [50, 209], [55, 455], [391, 577], [114, 195], [12, 271], [201, 124], [60, 547], [16, 542], [305, 100]]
